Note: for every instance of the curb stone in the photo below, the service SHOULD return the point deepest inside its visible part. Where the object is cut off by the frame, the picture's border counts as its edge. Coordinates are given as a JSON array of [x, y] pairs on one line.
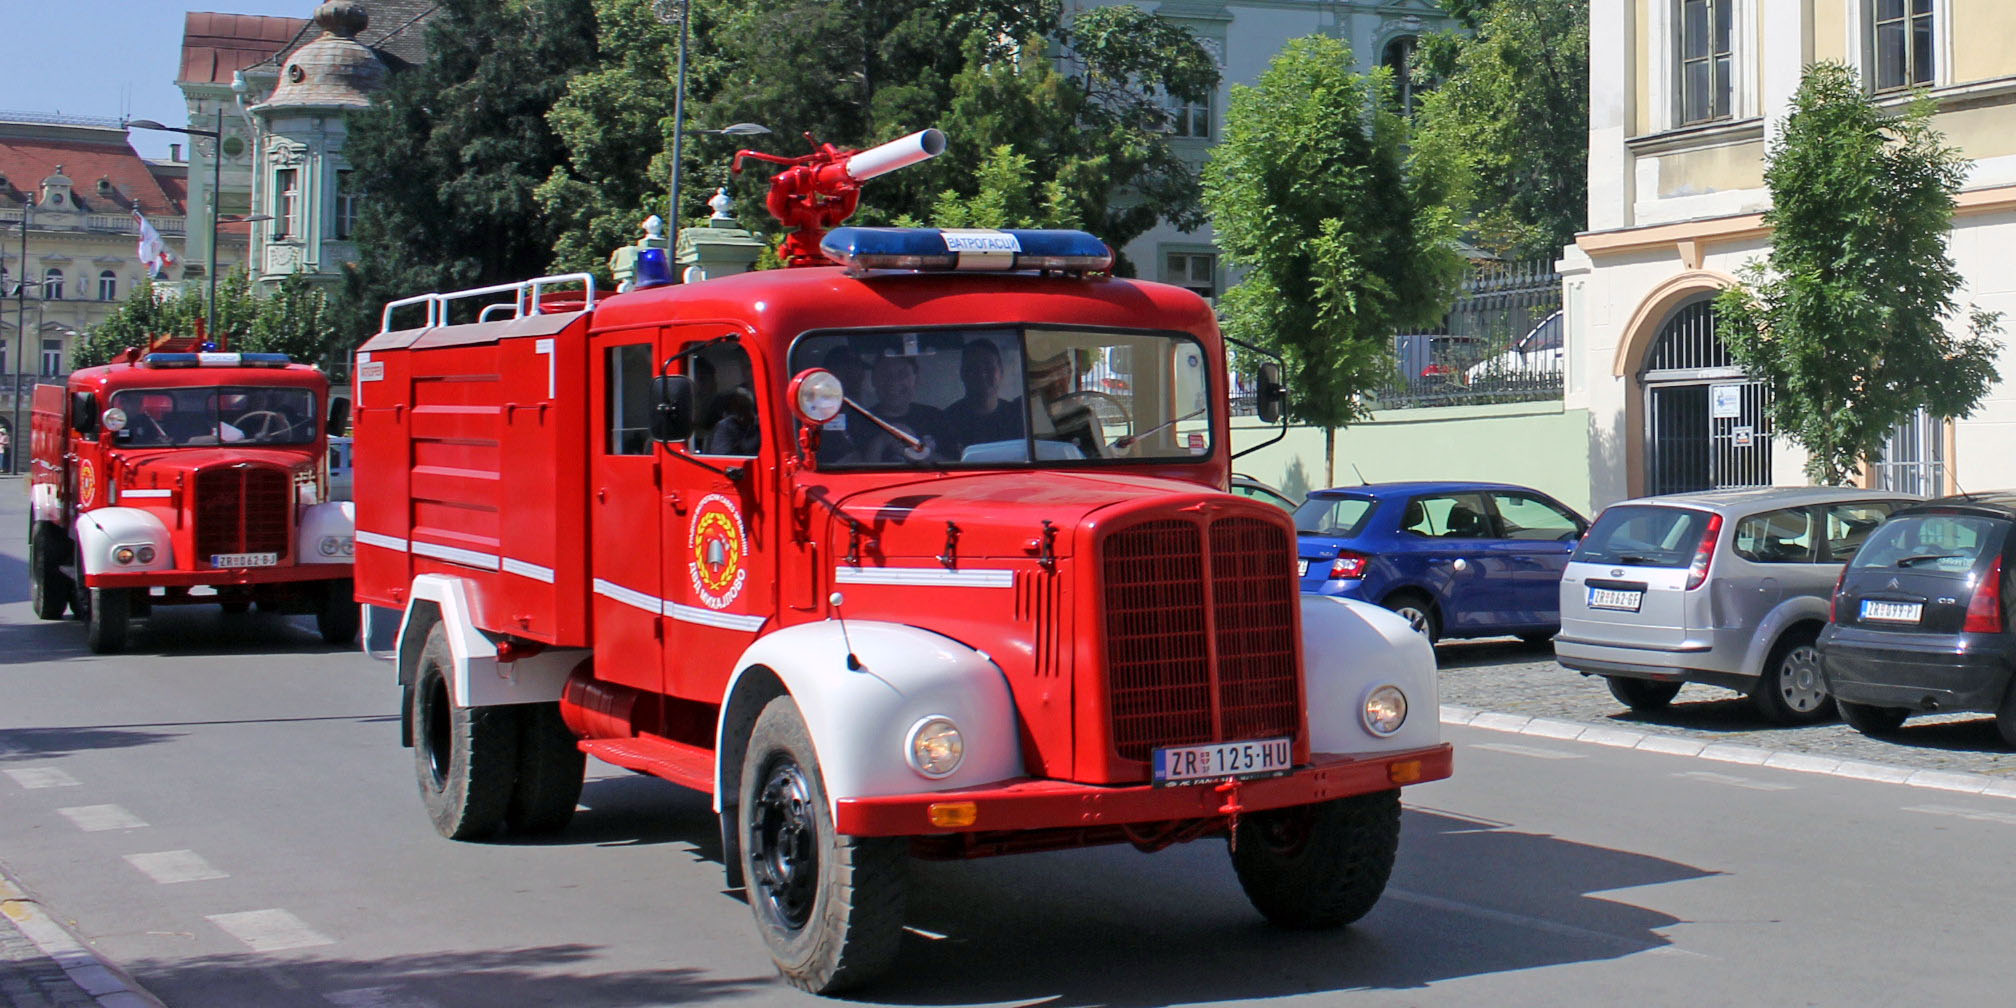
[[95, 979]]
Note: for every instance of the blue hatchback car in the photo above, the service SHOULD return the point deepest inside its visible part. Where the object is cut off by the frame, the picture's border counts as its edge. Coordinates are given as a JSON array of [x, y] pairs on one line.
[[1456, 559]]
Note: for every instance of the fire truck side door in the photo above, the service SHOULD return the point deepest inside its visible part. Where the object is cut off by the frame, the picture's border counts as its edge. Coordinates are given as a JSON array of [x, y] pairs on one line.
[[720, 533], [623, 511]]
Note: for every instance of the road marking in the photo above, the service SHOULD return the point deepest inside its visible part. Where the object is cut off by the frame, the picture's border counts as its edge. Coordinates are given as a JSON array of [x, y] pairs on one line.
[[374, 997], [31, 778], [1742, 782], [269, 930], [170, 867], [1541, 924], [1978, 815], [98, 818], [1520, 750]]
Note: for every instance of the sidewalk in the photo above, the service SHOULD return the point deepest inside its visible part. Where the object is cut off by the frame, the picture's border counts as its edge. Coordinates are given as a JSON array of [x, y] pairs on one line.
[[42, 965]]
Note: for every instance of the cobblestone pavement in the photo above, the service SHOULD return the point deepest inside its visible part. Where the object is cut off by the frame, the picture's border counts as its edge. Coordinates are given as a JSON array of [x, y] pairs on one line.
[[1506, 676], [30, 979]]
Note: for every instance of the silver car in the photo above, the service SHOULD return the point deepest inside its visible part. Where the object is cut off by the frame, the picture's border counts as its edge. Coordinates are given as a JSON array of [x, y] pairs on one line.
[[1726, 587]]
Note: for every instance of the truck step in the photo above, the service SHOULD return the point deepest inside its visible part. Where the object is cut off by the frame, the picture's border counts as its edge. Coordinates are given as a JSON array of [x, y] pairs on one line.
[[686, 765]]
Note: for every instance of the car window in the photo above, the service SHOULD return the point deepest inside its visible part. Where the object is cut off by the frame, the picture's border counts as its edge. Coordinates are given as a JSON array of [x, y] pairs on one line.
[[1849, 525], [1261, 493], [1447, 516], [1948, 543], [1784, 536], [1641, 535], [1333, 516], [1523, 516]]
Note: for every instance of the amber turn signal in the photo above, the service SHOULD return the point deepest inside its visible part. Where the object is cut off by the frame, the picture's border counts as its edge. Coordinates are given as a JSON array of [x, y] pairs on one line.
[[1404, 771], [952, 815]]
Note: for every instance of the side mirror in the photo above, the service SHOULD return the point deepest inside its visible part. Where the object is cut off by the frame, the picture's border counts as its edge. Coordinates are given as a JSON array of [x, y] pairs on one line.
[[339, 416], [1273, 397], [84, 413], [672, 410]]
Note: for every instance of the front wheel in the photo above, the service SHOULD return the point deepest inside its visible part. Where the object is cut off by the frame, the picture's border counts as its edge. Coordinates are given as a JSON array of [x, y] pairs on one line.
[[47, 583], [830, 907], [1791, 689], [337, 614], [463, 757], [106, 619], [1318, 866], [1642, 694], [1876, 721]]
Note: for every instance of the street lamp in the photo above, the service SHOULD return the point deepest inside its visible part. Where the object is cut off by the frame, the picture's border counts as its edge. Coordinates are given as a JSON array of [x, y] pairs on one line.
[[216, 182], [664, 9], [16, 443]]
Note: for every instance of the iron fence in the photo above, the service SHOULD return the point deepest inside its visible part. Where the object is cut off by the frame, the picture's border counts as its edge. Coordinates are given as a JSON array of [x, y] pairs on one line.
[[1502, 341]]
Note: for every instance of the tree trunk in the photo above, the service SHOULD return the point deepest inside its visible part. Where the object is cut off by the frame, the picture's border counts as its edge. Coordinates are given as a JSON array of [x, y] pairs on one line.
[[1329, 456]]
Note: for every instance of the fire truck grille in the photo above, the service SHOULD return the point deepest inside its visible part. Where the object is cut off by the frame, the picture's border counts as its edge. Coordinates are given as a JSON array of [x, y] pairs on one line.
[[1200, 643], [241, 509]]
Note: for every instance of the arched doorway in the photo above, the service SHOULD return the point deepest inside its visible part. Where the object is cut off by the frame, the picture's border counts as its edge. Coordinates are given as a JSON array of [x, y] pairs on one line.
[[1706, 426]]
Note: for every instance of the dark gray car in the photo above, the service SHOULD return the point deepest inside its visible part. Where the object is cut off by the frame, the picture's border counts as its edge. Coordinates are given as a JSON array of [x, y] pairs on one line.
[[1726, 587]]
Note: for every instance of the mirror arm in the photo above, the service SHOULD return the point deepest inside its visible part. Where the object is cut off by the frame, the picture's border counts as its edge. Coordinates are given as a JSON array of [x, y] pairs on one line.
[[1283, 431]]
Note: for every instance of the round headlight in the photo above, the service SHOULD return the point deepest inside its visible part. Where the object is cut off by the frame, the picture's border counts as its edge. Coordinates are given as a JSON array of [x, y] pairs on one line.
[[329, 546], [115, 419], [348, 544], [123, 554], [1385, 710], [145, 553], [816, 395], [935, 746]]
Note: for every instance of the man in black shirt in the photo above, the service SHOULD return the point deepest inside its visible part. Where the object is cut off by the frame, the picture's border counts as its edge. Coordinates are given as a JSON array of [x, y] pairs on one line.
[[982, 416]]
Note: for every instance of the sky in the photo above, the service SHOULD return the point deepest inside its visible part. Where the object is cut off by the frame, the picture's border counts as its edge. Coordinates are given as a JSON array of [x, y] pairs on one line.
[[108, 58]]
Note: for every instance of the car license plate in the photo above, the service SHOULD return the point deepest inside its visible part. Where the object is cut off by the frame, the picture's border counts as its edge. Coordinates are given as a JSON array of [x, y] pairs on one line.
[[1615, 598], [1892, 612], [244, 559], [1302, 570], [1222, 761]]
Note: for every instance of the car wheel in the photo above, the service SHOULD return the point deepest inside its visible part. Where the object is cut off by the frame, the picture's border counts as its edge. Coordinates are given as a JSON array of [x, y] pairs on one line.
[[1642, 694], [106, 619], [49, 587], [550, 769], [463, 757], [1791, 690], [1418, 612], [337, 613], [2005, 718], [1537, 638], [1876, 721], [1318, 866]]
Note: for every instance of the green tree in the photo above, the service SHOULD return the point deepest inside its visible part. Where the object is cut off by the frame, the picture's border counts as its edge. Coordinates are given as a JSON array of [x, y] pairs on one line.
[[1345, 233], [294, 320], [1851, 319], [1006, 196], [1514, 99], [449, 156]]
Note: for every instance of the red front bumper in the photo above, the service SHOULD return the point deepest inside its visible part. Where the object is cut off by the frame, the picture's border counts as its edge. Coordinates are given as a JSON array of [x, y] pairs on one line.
[[1028, 804], [219, 576]]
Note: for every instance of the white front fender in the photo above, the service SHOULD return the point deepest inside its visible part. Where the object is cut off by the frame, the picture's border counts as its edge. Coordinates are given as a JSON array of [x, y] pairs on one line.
[[475, 677], [860, 720], [1349, 649], [100, 533], [327, 533]]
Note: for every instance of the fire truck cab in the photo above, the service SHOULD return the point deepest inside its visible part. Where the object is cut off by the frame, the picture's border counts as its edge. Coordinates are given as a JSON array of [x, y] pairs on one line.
[[175, 478], [923, 553]]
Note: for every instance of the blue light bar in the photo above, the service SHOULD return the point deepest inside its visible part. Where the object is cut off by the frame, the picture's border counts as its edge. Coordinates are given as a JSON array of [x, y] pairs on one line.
[[190, 360], [965, 249]]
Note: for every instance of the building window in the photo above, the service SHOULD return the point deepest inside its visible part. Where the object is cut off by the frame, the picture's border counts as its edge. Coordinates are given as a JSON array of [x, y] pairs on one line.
[[1901, 40], [52, 285], [108, 285], [286, 189], [346, 205], [1189, 119], [52, 358], [1399, 58], [1196, 271], [1914, 458], [1706, 28]]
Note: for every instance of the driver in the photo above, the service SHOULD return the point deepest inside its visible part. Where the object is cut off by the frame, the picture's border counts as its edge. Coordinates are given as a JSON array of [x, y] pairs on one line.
[[896, 402]]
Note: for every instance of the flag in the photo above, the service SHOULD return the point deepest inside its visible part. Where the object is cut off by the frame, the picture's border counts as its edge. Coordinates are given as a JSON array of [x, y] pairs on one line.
[[153, 253]]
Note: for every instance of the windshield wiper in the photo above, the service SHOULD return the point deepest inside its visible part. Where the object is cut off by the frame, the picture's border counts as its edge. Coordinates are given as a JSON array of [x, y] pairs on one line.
[[1634, 560], [1915, 557]]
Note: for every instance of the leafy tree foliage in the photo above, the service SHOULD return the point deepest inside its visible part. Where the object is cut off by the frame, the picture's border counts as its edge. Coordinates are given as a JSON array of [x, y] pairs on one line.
[[1851, 318], [1006, 197], [294, 320], [1344, 230], [450, 154], [1514, 99]]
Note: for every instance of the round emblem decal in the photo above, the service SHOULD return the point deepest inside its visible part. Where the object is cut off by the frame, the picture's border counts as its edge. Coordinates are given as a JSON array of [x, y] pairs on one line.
[[720, 550], [87, 484]]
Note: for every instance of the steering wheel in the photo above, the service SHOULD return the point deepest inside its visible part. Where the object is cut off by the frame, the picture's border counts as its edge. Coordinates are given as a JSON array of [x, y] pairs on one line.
[[270, 425], [1105, 411]]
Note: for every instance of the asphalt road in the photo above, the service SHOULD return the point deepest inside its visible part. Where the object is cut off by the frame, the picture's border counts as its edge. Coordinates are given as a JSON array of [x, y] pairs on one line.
[[226, 813]]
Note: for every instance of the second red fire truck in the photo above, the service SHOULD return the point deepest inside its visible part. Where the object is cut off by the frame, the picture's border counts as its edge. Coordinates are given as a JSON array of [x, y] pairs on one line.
[[919, 550]]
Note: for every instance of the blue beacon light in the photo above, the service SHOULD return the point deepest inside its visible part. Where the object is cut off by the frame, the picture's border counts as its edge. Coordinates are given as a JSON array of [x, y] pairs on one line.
[[966, 250], [652, 269]]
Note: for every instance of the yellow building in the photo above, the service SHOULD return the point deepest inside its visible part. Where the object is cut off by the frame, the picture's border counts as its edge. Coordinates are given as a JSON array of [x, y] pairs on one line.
[[1685, 98]]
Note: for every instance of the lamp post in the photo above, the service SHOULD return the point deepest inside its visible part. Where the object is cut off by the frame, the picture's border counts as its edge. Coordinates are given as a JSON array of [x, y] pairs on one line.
[[666, 13], [15, 444], [216, 181]]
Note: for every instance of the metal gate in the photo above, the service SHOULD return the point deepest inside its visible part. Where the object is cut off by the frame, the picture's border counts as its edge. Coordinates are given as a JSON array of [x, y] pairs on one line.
[[1707, 426]]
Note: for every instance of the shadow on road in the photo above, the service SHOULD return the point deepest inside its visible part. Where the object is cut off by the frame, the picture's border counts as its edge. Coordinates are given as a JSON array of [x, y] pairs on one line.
[[48, 743], [638, 810], [171, 631], [13, 579]]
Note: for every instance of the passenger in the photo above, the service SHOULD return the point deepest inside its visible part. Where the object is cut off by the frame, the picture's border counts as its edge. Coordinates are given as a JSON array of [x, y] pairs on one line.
[[735, 433], [896, 402], [982, 416]]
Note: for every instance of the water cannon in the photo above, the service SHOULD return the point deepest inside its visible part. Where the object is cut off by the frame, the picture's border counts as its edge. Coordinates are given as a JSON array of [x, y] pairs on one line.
[[816, 191]]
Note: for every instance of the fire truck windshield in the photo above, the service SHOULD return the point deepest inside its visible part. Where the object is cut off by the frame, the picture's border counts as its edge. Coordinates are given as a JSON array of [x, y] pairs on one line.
[[238, 414], [1005, 396]]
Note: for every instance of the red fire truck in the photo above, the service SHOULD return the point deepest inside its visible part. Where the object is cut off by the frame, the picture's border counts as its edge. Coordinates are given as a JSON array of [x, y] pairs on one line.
[[185, 477], [922, 553]]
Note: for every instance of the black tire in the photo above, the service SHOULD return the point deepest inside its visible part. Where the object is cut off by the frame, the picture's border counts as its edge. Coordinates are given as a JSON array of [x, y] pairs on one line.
[[1537, 637], [1318, 866], [49, 586], [2005, 718], [550, 770], [829, 907], [1792, 689], [235, 607], [107, 618], [463, 757], [1642, 694], [1418, 611], [1878, 722], [337, 614]]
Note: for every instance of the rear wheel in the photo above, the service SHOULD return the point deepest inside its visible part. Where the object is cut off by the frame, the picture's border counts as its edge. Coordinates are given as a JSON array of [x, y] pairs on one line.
[[106, 619], [1318, 866], [2005, 718], [830, 907], [463, 757], [336, 613], [49, 586], [1791, 689], [1418, 611], [1881, 721], [1642, 694], [550, 769]]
